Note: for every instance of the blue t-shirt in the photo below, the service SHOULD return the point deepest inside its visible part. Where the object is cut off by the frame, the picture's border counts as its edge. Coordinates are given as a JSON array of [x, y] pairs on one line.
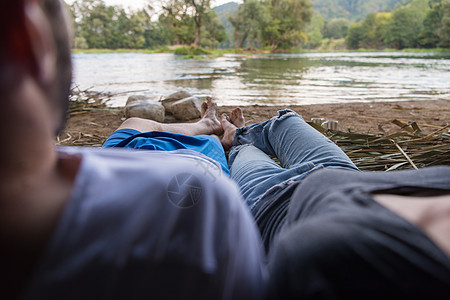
[[165, 141]]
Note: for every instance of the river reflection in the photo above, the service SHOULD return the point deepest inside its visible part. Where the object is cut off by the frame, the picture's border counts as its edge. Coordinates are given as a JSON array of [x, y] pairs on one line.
[[283, 79]]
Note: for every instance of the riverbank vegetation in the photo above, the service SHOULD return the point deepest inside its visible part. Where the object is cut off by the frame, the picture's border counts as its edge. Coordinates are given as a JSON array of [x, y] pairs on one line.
[[263, 25]]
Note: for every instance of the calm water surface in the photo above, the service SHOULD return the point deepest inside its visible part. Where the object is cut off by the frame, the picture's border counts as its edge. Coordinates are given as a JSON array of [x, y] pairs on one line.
[[284, 79]]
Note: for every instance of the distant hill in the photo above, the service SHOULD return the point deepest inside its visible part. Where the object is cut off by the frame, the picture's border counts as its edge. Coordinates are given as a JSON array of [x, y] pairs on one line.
[[224, 11], [227, 8], [353, 10]]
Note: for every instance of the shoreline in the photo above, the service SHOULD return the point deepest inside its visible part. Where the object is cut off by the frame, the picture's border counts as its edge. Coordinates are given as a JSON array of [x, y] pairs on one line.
[[93, 126], [256, 51]]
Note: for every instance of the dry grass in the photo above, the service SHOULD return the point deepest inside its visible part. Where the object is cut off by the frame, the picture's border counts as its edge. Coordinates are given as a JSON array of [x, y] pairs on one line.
[[409, 148]]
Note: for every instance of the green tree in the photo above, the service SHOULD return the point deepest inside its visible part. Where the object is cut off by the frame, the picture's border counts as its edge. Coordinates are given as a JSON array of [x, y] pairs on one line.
[[288, 24], [381, 22], [249, 22], [404, 28], [314, 31], [429, 37], [156, 36], [96, 22], [176, 23], [130, 29], [100, 26], [336, 28], [444, 28], [369, 32], [213, 32], [200, 10], [436, 25], [355, 36], [369, 29], [143, 19], [190, 22], [272, 33], [238, 24], [417, 23]]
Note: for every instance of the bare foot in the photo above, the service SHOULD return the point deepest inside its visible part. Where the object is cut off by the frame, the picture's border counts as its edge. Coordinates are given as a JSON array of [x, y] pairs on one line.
[[229, 125], [208, 114], [237, 117]]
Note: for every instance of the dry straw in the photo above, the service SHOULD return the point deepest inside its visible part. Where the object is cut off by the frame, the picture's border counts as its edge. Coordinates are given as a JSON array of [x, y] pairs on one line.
[[408, 148], [84, 102]]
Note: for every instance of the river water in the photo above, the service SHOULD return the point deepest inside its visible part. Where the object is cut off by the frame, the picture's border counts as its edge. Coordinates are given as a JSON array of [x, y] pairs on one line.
[[280, 79]]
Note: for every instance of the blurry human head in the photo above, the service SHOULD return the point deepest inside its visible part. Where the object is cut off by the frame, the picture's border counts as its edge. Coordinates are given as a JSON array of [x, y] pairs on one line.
[[20, 56]]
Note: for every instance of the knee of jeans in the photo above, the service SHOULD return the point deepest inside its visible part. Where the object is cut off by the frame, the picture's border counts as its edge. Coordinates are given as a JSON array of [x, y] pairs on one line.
[[285, 114], [239, 137], [248, 134], [234, 151]]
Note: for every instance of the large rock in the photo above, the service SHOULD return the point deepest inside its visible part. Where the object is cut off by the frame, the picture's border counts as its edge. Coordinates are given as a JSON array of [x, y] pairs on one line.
[[136, 98], [143, 107], [169, 100], [187, 109]]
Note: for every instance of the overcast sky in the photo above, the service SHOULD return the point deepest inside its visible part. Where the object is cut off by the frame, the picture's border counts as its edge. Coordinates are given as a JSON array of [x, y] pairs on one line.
[[134, 4]]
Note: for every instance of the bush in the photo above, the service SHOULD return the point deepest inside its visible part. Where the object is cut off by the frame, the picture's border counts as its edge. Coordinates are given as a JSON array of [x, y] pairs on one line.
[[199, 51], [181, 51], [190, 51]]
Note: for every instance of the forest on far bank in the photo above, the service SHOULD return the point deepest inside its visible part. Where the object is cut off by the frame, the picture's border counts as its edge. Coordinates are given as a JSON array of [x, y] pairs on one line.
[[273, 25]]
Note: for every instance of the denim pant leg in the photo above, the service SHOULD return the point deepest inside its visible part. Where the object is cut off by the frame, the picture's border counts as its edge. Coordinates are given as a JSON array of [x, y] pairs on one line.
[[300, 148], [289, 138], [256, 173]]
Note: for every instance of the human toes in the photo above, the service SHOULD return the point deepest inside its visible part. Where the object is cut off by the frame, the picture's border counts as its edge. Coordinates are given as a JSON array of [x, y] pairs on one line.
[[225, 119], [211, 103]]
